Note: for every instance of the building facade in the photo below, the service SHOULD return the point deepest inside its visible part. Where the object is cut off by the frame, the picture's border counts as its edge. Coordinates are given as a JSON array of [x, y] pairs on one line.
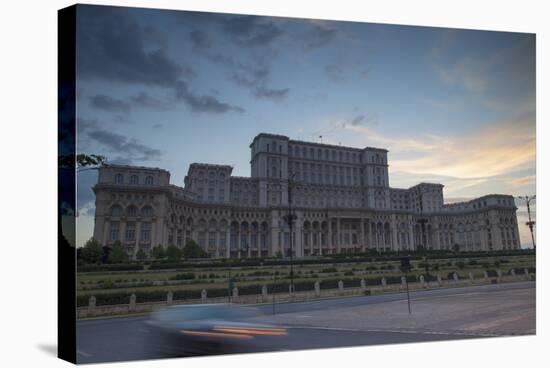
[[340, 198]]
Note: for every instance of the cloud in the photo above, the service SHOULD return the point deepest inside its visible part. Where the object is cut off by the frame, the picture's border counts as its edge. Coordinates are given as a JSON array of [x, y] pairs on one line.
[[143, 99], [251, 31], [257, 80], [203, 103], [490, 151], [112, 46], [200, 39], [114, 144], [106, 103], [320, 34], [359, 120]]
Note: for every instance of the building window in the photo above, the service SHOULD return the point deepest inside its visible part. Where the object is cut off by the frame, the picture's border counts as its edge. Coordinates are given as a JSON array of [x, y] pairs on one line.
[[149, 180], [119, 179], [131, 231], [115, 226], [131, 211], [145, 231], [134, 180]]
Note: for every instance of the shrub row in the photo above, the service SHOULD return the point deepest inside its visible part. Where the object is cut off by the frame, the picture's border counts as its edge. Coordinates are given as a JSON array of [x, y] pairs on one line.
[[110, 267]]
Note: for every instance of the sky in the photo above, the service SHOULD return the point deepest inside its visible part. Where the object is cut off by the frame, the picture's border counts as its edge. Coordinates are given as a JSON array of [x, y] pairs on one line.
[[164, 89]]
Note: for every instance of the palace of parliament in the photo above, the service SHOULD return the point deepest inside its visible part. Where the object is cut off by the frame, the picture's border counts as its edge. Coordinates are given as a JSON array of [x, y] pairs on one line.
[[339, 197]]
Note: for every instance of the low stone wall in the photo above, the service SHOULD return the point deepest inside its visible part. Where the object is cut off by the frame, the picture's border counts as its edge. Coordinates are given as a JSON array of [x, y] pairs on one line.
[[134, 307]]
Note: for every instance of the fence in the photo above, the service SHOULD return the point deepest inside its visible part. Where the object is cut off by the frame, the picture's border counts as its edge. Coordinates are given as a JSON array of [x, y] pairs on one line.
[[453, 280]]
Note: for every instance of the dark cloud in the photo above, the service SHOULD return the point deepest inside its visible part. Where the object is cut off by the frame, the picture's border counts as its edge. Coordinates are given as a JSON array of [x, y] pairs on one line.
[[318, 36], [115, 144], [256, 79], [249, 30], [200, 39], [107, 103], [203, 103], [112, 46], [143, 99], [361, 120]]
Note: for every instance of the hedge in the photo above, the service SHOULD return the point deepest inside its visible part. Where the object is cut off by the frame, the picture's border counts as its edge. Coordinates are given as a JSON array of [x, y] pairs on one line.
[[110, 267]]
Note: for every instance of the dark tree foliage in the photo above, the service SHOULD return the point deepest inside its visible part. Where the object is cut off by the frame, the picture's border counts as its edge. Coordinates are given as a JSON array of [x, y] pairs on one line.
[[158, 252], [91, 252], [81, 161], [141, 255], [118, 254], [173, 253], [192, 250]]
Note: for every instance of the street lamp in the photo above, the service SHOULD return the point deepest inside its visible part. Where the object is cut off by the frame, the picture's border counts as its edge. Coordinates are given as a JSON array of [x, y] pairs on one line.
[[422, 221], [530, 223], [290, 219]]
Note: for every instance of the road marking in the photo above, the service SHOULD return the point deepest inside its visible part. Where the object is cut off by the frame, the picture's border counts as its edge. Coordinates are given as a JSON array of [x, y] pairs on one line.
[[425, 332]]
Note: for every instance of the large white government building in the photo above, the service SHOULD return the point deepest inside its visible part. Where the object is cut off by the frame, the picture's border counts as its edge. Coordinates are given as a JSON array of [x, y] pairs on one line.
[[340, 197]]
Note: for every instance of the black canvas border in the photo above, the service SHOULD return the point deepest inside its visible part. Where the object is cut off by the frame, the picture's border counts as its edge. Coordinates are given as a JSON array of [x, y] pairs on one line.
[[66, 256]]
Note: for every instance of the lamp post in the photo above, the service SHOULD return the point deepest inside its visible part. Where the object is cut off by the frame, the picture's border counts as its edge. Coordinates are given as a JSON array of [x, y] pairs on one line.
[[290, 219], [422, 221], [530, 223]]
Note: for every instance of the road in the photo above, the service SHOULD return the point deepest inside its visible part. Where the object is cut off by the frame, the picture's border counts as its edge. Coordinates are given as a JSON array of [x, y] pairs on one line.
[[439, 314]]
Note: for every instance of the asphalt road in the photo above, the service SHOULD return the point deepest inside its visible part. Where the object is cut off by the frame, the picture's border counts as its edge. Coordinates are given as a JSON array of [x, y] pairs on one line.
[[439, 314]]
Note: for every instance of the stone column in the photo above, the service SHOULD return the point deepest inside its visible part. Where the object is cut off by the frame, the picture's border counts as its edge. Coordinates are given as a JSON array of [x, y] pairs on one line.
[[383, 282], [297, 245], [411, 238], [317, 288], [329, 240], [91, 306], [338, 236], [362, 235], [170, 298], [203, 296], [320, 240], [249, 241], [274, 239], [217, 243], [340, 286], [228, 241], [264, 292], [132, 306], [393, 229], [439, 283], [422, 281], [136, 243], [455, 277]]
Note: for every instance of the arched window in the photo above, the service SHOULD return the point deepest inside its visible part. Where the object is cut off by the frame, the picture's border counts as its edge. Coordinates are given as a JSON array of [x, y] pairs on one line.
[[131, 211], [116, 210], [149, 180], [119, 179], [134, 180]]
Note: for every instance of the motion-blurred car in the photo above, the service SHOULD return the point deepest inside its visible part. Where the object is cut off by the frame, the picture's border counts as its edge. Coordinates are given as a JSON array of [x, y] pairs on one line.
[[205, 329]]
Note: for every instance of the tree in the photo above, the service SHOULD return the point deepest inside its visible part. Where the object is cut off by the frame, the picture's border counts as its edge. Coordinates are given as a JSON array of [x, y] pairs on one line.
[[118, 254], [141, 255], [82, 161], [173, 253], [456, 248], [158, 252], [192, 250], [91, 252]]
